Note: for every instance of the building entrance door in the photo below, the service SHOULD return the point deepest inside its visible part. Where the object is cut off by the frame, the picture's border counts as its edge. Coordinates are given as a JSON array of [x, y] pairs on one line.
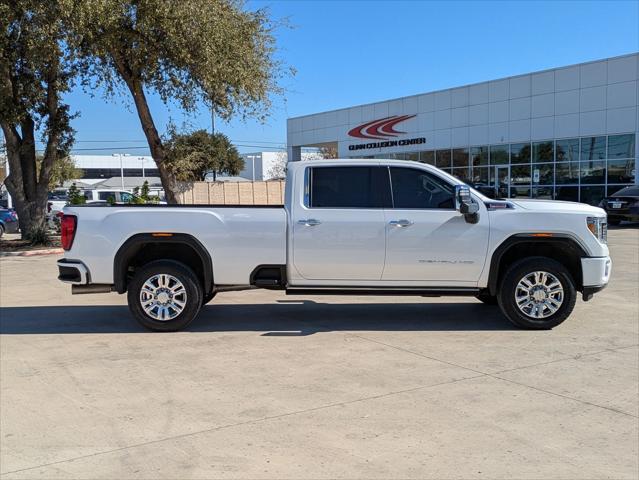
[[502, 181]]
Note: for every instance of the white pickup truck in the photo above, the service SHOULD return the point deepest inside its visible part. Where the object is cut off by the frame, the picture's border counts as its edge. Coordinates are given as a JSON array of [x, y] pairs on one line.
[[379, 227]]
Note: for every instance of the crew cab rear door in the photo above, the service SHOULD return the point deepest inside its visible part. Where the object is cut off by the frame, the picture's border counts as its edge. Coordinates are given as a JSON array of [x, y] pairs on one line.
[[427, 239], [339, 230]]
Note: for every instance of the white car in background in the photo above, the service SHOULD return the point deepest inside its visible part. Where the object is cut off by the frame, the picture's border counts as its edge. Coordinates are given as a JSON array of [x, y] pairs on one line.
[[58, 199]]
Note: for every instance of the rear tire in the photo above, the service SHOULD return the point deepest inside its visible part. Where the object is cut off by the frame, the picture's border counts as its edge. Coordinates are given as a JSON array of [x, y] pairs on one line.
[[614, 222], [537, 293], [1, 230], [164, 296]]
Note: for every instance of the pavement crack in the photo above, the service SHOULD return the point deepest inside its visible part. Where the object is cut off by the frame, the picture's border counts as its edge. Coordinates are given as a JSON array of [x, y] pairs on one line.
[[412, 352], [568, 397], [245, 423], [496, 376]]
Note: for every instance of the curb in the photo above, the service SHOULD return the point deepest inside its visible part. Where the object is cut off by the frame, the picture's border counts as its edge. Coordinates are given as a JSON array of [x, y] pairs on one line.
[[33, 253]]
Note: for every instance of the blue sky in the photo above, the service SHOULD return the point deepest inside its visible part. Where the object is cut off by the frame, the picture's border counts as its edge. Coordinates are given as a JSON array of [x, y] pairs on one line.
[[354, 52]]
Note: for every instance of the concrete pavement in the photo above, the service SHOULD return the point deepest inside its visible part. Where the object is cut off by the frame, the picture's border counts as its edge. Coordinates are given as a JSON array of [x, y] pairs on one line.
[[268, 386]]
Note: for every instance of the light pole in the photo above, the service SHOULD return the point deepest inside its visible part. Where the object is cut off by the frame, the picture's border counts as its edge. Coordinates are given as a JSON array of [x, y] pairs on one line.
[[121, 167], [142, 160]]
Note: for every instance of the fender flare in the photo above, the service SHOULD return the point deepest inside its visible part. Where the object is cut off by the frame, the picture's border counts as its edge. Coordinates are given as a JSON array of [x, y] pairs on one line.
[[556, 239], [133, 245]]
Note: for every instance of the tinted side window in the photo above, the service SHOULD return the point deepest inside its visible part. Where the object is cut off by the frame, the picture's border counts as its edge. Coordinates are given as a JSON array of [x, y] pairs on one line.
[[106, 195], [349, 187], [419, 189]]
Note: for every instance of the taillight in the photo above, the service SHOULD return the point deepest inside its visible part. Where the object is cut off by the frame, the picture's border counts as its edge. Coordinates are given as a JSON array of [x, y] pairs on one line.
[[67, 230]]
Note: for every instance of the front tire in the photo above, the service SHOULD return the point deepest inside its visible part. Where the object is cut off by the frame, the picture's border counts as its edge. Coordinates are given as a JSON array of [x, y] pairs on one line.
[[164, 296], [537, 293]]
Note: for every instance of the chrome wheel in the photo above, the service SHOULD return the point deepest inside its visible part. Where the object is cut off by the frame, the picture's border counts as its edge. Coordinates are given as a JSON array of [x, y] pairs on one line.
[[163, 297], [539, 294]]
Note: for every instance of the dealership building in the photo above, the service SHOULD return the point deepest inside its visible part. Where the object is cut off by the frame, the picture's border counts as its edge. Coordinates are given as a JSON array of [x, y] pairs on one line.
[[569, 133]]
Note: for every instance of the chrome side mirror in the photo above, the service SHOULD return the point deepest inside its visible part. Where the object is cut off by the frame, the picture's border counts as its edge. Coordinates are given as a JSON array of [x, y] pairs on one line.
[[465, 205]]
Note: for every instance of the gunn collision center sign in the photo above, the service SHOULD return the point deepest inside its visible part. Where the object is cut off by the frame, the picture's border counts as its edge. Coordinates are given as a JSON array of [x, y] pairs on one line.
[[382, 129]]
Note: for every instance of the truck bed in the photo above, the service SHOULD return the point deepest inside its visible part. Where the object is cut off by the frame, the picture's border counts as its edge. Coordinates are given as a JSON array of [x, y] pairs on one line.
[[237, 237]]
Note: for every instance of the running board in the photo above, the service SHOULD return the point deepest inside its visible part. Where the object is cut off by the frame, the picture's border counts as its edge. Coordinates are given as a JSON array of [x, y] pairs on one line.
[[420, 292]]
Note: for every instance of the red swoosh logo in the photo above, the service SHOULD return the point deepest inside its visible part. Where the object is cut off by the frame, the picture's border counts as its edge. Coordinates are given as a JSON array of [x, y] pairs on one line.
[[379, 129]]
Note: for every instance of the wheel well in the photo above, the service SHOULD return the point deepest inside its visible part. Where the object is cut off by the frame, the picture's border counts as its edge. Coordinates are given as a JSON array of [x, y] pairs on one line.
[[142, 249], [564, 251]]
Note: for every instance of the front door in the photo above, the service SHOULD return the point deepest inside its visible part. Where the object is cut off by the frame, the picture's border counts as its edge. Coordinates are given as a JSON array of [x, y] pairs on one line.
[[427, 240], [339, 233]]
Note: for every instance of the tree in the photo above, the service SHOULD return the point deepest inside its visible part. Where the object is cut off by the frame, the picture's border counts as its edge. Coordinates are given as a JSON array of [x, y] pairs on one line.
[[279, 167], [328, 151], [35, 70], [63, 169], [75, 196], [187, 51], [191, 156]]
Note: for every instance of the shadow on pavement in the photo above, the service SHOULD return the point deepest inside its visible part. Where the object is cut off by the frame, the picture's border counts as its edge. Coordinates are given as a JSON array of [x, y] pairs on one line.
[[285, 318]]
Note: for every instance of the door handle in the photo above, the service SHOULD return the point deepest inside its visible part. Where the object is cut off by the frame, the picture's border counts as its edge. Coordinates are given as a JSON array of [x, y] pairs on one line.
[[400, 223], [309, 222]]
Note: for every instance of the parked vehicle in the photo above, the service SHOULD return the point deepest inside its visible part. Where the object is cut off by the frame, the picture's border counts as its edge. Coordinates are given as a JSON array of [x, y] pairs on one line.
[[113, 196], [622, 205], [382, 227], [8, 221], [57, 200]]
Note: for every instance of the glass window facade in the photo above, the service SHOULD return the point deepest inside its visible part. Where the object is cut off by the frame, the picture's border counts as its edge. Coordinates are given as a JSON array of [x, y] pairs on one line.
[[584, 169]]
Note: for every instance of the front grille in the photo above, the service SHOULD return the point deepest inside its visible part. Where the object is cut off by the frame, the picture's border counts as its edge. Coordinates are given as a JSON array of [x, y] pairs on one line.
[[604, 231]]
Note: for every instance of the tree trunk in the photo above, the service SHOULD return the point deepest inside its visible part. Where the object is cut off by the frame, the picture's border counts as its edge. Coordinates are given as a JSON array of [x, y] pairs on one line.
[[30, 201], [169, 182]]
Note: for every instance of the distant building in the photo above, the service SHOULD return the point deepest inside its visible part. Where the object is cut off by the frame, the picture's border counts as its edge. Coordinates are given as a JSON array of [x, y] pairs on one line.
[[568, 133], [107, 166], [269, 165], [260, 166]]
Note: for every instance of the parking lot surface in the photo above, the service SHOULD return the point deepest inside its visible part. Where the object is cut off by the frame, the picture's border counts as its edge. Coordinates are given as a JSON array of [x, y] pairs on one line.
[[268, 386]]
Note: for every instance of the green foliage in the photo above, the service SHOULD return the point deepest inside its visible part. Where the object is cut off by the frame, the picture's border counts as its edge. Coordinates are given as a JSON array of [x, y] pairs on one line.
[[145, 190], [38, 236], [74, 196], [36, 70], [145, 196], [185, 51], [63, 169], [191, 156]]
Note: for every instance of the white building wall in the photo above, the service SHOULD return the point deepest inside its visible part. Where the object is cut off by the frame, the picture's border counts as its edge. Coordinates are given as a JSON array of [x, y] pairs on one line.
[[110, 161], [594, 98]]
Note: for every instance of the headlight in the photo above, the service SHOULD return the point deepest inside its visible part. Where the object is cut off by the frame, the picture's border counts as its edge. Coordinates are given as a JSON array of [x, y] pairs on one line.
[[598, 226]]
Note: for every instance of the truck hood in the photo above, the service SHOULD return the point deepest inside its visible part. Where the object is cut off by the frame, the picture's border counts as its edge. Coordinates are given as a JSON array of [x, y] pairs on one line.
[[556, 206]]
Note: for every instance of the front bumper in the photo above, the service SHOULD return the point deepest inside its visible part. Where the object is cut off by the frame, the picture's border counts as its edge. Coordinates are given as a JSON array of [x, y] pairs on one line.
[[595, 272], [74, 272]]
